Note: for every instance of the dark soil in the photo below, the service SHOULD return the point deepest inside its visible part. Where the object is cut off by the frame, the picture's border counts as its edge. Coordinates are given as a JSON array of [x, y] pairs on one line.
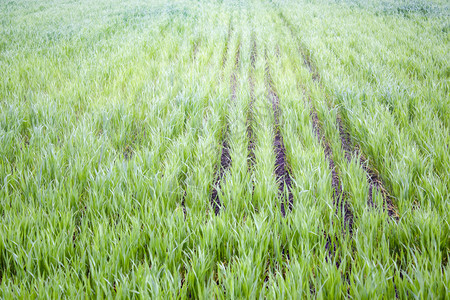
[[345, 140], [227, 41], [128, 152], [237, 57], [195, 49], [225, 162], [251, 140], [330, 246], [311, 66], [277, 51], [338, 194], [306, 55], [253, 53], [281, 165], [281, 171], [225, 158], [78, 220], [183, 204], [251, 83], [375, 183], [233, 80], [373, 178]]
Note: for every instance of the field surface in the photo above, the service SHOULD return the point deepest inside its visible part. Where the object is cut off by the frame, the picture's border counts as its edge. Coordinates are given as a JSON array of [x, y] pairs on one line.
[[225, 149]]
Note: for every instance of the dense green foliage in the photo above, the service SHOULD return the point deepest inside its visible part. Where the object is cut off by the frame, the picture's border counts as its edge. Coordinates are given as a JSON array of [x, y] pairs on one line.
[[112, 117]]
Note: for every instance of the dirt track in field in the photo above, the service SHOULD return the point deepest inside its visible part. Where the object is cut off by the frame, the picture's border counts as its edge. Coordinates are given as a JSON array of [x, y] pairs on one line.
[[339, 199], [373, 178], [195, 47], [227, 44], [225, 162], [251, 83], [282, 169], [225, 158], [78, 221]]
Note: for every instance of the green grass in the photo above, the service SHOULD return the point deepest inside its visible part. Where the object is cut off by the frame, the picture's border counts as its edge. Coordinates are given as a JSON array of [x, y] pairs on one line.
[[112, 116]]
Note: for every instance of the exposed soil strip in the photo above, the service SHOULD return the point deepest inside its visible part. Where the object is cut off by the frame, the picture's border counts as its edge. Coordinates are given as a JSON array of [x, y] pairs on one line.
[[78, 221], [128, 151], [277, 51], [227, 42], [339, 200], [183, 203], [251, 83], [225, 158], [282, 169], [225, 162], [253, 53], [373, 178], [233, 80], [306, 55], [195, 47]]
